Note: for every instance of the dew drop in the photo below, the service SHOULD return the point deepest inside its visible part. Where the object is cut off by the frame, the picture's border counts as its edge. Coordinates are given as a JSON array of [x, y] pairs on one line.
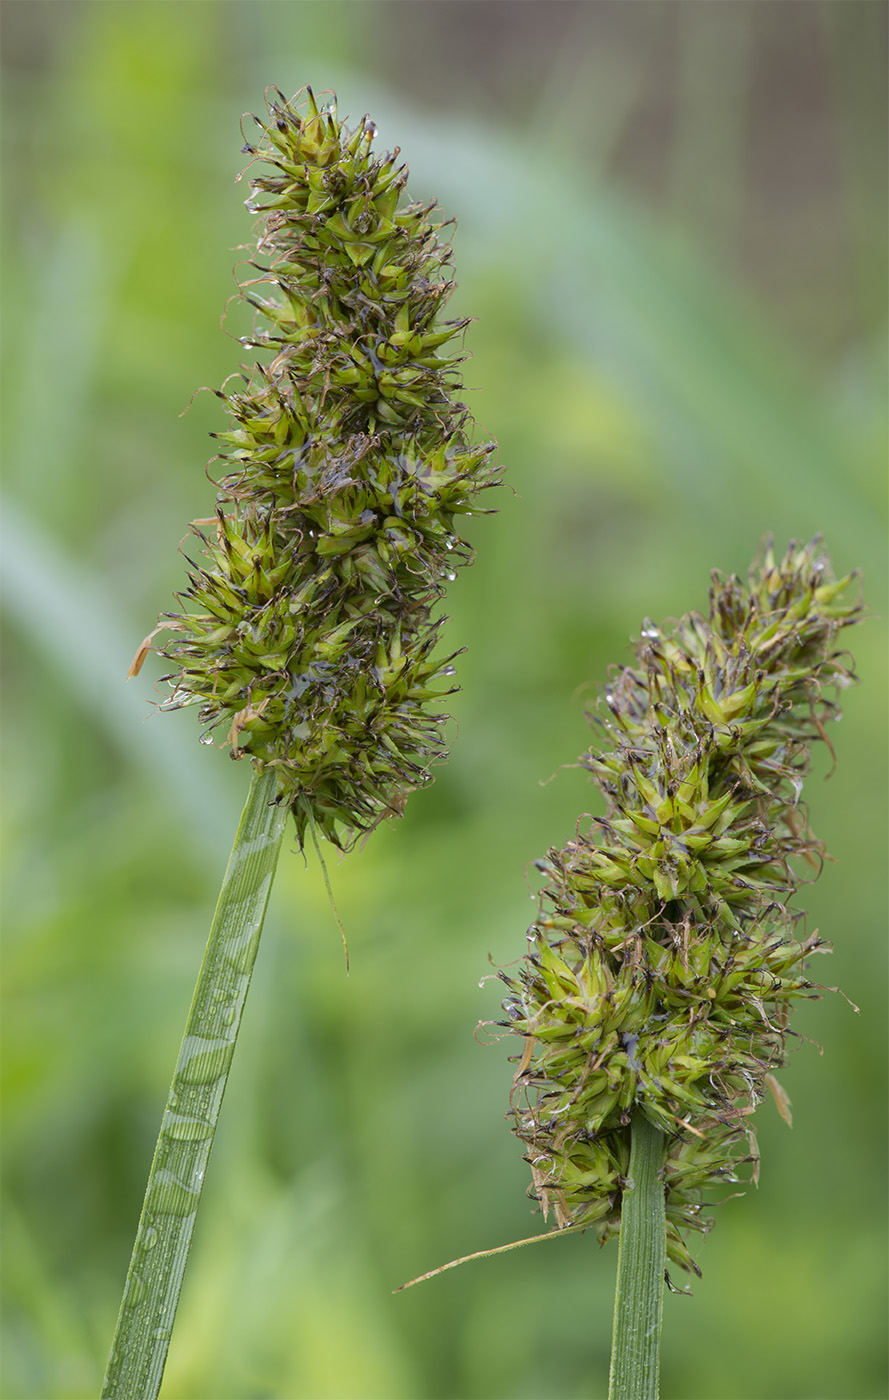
[[241, 955], [179, 697], [451, 575], [202, 1060], [184, 1129], [170, 1196]]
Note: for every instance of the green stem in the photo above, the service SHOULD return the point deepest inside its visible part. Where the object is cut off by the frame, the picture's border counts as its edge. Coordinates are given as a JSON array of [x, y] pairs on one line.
[[154, 1279], [641, 1264]]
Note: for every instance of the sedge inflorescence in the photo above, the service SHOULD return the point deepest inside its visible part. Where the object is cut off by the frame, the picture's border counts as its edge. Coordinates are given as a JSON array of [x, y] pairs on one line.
[[307, 633], [666, 957]]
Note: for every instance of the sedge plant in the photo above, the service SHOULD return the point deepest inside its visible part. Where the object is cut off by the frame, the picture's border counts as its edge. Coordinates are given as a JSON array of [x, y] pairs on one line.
[[306, 638], [653, 1000]]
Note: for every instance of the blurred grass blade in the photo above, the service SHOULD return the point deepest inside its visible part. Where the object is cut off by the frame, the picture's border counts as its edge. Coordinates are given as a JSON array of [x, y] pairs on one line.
[[63, 610], [151, 1294]]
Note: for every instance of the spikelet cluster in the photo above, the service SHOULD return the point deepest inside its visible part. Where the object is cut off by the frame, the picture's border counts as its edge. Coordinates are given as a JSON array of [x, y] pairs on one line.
[[666, 957], [306, 635]]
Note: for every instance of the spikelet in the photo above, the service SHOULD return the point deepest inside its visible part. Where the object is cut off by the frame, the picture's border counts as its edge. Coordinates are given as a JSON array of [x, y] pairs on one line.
[[661, 971], [307, 633]]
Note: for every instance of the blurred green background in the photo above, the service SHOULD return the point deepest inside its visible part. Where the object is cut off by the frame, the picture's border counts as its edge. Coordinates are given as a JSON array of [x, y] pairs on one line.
[[672, 235]]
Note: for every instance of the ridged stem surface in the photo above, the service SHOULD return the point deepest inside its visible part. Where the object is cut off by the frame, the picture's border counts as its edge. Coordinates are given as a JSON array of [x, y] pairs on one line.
[[166, 1226], [642, 1258]]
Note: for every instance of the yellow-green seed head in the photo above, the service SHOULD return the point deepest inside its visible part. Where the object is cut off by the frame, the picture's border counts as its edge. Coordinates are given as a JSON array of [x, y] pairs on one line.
[[661, 971], [307, 632]]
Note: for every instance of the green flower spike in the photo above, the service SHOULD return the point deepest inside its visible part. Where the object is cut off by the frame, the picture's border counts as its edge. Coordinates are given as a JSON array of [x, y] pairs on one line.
[[306, 635], [661, 972], [655, 996]]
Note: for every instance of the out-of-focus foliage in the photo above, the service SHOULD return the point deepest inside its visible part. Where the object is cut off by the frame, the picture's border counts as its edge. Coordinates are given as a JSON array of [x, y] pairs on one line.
[[671, 233]]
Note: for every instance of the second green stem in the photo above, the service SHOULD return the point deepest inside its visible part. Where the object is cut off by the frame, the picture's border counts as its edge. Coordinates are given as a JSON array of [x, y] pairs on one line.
[[641, 1265]]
